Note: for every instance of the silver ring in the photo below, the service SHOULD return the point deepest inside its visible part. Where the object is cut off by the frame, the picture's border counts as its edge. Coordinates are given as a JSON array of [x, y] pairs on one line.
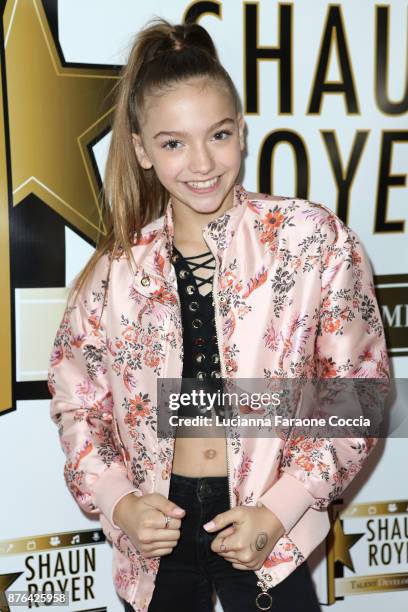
[[267, 605], [167, 519]]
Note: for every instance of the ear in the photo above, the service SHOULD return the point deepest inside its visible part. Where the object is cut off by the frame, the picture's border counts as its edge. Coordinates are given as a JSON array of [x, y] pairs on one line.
[[141, 154], [241, 128]]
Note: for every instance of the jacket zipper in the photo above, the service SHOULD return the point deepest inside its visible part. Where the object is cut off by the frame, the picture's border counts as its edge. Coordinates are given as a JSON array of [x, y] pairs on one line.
[[263, 584], [221, 355], [180, 320]]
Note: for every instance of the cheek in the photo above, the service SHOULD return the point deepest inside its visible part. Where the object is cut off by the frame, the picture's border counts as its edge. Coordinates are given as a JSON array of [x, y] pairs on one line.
[[230, 156], [169, 166]]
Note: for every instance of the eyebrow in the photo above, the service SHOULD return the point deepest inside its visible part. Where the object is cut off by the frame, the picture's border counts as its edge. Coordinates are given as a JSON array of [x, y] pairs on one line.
[[212, 127]]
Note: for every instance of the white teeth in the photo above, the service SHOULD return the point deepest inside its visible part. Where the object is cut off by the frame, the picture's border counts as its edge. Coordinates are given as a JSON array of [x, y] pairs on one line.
[[203, 184]]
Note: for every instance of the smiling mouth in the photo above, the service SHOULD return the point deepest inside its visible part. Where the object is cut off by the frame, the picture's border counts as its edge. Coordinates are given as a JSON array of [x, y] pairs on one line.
[[203, 184]]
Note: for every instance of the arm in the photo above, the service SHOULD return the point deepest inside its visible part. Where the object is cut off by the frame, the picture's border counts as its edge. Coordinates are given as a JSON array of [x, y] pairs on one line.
[[82, 408], [349, 343]]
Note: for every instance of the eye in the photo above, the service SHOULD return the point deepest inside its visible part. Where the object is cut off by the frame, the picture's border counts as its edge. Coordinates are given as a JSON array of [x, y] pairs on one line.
[[226, 133], [167, 144]]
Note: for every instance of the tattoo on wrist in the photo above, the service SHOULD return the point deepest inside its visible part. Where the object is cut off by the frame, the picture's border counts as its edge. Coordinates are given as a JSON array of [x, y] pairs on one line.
[[261, 540]]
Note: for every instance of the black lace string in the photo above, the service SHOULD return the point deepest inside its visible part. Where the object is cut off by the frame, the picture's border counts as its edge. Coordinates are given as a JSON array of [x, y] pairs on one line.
[[209, 264]]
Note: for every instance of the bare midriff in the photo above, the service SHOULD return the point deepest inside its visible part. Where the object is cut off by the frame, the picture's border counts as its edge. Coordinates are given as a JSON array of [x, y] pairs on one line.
[[199, 457]]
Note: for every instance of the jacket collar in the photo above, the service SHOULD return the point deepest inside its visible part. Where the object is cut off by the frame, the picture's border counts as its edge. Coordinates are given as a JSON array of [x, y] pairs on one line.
[[219, 233]]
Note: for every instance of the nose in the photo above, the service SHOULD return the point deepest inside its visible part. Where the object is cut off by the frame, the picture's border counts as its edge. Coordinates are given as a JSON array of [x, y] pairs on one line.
[[201, 161]]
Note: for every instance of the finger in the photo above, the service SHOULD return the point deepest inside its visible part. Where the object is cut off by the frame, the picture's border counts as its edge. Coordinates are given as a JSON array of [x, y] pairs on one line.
[[223, 548], [234, 515], [230, 552], [158, 501], [249, 565], [166, 534], [237, 555], [159, 522], [233, 556], [229, 557], [149, 536], [166, 551], [232, 560], [229, 531], [225, 544], [159, 545], [159, 553]]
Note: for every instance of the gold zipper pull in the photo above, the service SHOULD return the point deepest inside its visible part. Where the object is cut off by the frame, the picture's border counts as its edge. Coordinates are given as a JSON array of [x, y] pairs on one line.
[[268, 600]]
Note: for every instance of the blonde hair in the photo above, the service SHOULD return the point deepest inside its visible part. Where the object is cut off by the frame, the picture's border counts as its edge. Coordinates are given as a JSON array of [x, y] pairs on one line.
[[161, 56]]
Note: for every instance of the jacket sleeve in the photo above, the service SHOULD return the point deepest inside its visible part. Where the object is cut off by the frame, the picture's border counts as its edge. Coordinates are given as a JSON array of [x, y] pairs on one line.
[[349, 343], [82, 408]]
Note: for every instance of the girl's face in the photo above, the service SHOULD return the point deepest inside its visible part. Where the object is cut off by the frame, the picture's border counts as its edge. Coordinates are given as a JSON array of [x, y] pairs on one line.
[[193, 139]]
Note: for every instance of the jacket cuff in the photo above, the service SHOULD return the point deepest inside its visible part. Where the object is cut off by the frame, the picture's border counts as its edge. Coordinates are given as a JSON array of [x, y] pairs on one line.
[[288, 499], [111, 486]]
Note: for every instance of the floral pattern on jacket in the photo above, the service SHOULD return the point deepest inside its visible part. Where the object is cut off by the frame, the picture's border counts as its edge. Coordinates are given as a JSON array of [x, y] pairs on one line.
[[294, 299]]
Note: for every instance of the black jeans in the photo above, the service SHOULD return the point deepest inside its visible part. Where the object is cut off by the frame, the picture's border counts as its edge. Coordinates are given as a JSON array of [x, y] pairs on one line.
[[188, 575]]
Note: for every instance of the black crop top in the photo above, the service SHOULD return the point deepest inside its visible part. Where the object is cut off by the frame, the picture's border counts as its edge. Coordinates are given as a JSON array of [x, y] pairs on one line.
[[200, 346], [201, 356]]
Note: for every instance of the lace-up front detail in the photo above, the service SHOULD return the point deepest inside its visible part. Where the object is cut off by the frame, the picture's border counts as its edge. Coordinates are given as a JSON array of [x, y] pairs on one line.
[[205, 264], [201, 356]]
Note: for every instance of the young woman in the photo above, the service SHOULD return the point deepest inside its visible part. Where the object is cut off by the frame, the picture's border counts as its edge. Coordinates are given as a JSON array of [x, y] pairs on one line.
[[198, 278]]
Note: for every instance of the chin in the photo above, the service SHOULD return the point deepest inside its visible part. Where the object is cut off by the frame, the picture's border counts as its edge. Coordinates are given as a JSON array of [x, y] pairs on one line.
[[209, 208]]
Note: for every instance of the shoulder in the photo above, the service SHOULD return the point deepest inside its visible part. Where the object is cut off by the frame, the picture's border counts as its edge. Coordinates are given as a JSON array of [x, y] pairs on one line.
[[153, 227], [298, 219], [120, 261], [92, 290]]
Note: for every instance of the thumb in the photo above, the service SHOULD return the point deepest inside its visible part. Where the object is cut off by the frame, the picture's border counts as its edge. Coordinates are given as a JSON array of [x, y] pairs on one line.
[[167, 507], [223, 519]]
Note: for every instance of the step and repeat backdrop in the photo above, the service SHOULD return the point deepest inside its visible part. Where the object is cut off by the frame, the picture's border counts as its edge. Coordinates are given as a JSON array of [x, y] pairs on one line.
[[324, 89]]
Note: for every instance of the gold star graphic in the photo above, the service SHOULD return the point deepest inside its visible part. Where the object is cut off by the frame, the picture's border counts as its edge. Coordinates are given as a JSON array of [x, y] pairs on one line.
[[5, 581], [55, 112], [342, 544]]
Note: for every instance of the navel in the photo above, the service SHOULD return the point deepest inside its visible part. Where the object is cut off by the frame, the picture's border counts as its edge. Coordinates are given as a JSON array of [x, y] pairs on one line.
[[210, 453]]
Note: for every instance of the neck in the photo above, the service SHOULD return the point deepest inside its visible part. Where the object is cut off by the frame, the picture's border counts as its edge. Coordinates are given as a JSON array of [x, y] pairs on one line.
[[189, 224]]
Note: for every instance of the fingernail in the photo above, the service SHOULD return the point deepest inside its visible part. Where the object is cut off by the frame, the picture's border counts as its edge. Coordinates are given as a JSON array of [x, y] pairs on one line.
[[178, 511], [209, 525]]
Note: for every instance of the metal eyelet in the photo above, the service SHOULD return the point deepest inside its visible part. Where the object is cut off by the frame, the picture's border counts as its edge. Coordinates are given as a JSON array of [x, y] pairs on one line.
[[201, 375], [200, 357], [196, 323], [183, 273], [199, 341], [193, 306], [175, 257], [229, 368], [190, 289], [215, 358], [145, 281], [215, 374]]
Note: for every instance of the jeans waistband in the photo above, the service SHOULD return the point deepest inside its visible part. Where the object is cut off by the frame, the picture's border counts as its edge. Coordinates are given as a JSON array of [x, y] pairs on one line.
[[202, 487]]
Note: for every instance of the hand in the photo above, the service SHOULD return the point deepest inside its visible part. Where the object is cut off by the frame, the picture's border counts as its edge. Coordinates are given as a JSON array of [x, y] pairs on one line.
[[142, 519], [251, 537]]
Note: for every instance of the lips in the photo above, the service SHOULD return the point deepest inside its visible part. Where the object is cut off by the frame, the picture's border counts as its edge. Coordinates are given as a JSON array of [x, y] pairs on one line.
[[204, 186]]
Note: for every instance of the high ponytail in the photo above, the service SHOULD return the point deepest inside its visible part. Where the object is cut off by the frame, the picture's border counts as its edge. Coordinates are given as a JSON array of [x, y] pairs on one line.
[[162, 54]]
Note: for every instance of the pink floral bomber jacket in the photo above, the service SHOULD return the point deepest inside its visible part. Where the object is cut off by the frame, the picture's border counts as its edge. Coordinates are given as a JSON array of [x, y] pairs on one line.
[[294, 297]]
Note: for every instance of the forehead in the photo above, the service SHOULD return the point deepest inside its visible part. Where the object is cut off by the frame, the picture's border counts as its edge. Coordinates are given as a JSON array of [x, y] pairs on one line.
[[189, 107]]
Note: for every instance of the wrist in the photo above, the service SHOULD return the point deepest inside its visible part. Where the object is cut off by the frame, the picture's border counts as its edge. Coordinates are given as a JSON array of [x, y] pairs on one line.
[[120, 507], [276, 527]]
